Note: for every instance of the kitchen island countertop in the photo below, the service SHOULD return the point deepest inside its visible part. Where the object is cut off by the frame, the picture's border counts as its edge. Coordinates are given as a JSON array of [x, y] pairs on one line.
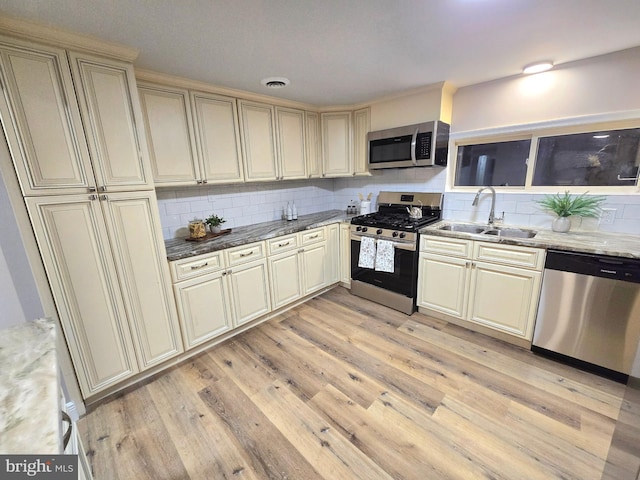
[[29, 389], [179, 248], [602, 243]]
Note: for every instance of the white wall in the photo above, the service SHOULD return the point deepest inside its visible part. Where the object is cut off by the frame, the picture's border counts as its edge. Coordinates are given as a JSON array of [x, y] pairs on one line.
[[603, 84]]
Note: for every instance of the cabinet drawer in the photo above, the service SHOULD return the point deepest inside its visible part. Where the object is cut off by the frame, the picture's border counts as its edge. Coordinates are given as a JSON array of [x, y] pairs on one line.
[[245, 253], [526, 257], [196, 266], [282, 244], [312, 236], [445, 246]]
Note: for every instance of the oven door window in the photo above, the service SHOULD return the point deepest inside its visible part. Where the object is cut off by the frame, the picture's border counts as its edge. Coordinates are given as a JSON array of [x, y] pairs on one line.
[[402, 280]]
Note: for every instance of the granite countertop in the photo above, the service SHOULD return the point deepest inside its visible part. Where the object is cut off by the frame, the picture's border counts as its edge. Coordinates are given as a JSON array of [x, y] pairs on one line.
[[179, 248], [29, 389], [616, 244]]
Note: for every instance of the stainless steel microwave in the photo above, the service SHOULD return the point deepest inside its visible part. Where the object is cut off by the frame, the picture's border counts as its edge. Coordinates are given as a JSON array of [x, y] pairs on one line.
[[420, 145]]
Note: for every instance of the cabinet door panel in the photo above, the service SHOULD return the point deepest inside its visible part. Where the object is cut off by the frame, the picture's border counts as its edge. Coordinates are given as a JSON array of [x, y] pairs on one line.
[[73, 245], [336, 144], [50, 150], [140, 258], [217, 137], [250, 290], [314, 268], [312, 141], [333, 253], [361, 127], [258, 141], [284, 272], [504, 298], [442, 284], [291, 144], [204, 308], [345, 254], [109, 101], [172, 150]]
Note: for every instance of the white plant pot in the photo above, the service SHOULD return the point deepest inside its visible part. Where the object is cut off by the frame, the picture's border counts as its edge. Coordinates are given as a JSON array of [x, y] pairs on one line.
[[215, 229], [561, 224]]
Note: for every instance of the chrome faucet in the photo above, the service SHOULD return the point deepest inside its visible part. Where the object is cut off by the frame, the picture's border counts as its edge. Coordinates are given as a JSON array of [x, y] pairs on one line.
[[492, 212]]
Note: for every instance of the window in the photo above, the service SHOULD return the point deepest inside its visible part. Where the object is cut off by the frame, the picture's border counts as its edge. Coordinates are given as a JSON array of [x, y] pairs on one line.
[[496, 164], [564, 157], [606, 158]]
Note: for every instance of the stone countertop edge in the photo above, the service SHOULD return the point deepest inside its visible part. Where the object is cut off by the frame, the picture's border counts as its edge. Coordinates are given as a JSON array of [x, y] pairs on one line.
[[179, 248], [29, 389], [601, 243]]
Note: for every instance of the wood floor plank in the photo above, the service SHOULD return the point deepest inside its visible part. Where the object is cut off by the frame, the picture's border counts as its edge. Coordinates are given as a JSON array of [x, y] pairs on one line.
[[270, 453], [200, 437], [330, 453], [126, 439], [398, 445], [436, 402]]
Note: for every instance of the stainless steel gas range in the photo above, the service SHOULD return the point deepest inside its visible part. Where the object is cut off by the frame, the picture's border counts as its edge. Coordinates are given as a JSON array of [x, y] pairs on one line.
[[384, 248]]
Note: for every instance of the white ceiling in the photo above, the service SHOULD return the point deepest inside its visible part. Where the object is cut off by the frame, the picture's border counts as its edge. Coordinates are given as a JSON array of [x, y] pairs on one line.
[[340, 52]]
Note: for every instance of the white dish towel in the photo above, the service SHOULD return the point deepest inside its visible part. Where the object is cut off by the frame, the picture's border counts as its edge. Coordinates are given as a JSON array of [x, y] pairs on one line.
[[385, 254], [367, 256]]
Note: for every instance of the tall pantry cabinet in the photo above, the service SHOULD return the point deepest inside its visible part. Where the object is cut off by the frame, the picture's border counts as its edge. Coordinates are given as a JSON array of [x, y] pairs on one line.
[[74, 129]]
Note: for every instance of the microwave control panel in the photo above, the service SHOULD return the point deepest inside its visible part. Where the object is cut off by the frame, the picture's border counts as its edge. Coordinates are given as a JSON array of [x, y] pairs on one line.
[[423, 146]]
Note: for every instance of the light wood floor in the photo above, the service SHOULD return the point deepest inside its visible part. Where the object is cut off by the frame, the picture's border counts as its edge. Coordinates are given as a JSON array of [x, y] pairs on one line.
[[341, 388]]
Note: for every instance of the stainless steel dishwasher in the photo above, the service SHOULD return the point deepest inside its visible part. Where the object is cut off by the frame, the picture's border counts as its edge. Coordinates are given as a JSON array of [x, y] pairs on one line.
[[589, 311]]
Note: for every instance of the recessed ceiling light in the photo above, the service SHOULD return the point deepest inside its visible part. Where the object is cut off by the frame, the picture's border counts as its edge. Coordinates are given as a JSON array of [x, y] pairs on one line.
[[275, 82], [538, 67]]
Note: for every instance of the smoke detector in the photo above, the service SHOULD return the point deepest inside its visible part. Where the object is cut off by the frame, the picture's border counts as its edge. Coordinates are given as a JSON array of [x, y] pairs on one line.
[[275, 82]]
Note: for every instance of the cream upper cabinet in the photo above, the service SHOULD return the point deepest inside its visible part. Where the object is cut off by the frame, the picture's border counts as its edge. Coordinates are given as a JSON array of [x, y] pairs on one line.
[[314, 154], [107, 268], [257, 128], [217, 137], [361, 127], [75, 250], [170, 135], [493, 285], [292, 162], [110, 108], [47, 140], [337, 149]]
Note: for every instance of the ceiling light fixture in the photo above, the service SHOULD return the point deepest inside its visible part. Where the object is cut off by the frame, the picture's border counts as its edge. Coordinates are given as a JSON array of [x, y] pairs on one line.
[[538, 67], [275, 82]]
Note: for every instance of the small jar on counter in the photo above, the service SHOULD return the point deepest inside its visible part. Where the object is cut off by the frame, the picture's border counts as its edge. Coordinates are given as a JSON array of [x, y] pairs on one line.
[[196, 229]]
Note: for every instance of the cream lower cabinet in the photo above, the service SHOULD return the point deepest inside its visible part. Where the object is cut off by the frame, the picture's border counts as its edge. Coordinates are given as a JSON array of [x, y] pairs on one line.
[[333, 253], [106, 265], [301, 264], [345, 255], [493, 285], [219, 291]]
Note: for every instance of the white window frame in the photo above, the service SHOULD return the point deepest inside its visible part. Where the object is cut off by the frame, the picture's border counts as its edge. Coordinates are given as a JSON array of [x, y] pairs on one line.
[[533, 132]]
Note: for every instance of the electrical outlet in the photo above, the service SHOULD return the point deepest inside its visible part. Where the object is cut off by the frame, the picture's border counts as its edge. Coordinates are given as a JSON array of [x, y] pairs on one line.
[[607, 215]]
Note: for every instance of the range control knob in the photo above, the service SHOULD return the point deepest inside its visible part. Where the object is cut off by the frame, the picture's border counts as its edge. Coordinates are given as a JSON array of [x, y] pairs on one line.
[[358, 229], [402, 235], [379, 231], [364, 229], [394, 234]]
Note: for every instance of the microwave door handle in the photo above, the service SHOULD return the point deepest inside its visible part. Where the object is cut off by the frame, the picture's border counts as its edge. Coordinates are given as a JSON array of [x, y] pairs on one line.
[[414, 140]]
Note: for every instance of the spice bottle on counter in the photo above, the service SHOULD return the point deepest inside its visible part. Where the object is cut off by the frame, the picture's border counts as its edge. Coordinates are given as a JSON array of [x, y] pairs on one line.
[[294, 211], [289, 212]]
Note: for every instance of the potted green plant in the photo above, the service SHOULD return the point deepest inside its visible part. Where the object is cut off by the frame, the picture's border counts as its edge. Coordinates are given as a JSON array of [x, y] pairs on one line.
[[565, 206], [214, 222]]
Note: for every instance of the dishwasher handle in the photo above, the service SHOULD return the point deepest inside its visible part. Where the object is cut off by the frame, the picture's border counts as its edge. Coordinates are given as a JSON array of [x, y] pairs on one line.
[[594, 265]]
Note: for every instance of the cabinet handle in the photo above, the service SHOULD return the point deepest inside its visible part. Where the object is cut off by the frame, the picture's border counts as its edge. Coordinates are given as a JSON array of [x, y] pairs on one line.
[[284, 244], [467, 264], [93, 197], [246, 254], [205, 181], [92, 189], [103, 188], [67, 434], [104, 197], [196, 267], [224, 273], [198, 182], [229, 272], [301, 250], [314, 236]]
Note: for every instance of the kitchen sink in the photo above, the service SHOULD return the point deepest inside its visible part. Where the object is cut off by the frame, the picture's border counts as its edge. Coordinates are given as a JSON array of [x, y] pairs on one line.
[[506, 232], [510, 232], [463, 228]]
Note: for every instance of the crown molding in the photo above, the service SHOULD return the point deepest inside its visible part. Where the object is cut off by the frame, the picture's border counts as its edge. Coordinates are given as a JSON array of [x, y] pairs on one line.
[[42, 33]]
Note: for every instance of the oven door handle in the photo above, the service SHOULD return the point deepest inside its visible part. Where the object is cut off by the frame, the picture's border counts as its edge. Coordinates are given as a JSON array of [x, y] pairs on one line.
[[401, 246]]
